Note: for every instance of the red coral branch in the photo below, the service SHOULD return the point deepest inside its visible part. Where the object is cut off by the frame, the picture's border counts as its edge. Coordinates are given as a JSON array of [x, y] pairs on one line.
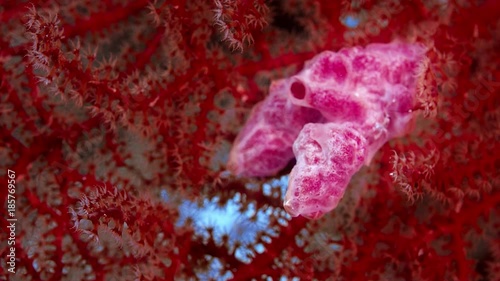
[[102, 20], [118, 119]]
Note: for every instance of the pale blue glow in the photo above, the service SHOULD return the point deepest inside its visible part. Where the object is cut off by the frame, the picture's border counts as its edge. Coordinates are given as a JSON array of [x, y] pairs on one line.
[[350, 21], [230, 220]]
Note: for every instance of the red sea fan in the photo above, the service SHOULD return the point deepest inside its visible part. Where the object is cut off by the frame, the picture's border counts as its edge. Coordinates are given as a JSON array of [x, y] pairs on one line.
[[118, 119]]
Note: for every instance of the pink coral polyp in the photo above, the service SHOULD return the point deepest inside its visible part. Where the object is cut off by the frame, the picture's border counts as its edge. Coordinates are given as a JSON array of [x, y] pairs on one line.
[[335, 114]]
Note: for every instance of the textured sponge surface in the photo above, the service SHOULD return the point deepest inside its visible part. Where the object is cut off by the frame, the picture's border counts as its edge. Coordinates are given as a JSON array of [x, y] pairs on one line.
[[332, 117]]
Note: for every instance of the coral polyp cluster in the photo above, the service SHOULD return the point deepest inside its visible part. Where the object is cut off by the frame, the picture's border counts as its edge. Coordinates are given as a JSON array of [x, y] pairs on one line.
[[334, 114]]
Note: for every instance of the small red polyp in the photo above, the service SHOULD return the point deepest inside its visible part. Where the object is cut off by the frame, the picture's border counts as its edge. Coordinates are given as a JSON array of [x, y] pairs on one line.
[[336, 113]]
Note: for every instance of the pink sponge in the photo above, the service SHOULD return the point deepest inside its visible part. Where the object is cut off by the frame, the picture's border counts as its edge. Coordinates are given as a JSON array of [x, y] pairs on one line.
[[264, 146], [327, 157], [337, 112]]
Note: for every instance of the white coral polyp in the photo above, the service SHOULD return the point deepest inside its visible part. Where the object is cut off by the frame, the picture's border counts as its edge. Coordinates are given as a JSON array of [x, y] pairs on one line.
[[364, 96]]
